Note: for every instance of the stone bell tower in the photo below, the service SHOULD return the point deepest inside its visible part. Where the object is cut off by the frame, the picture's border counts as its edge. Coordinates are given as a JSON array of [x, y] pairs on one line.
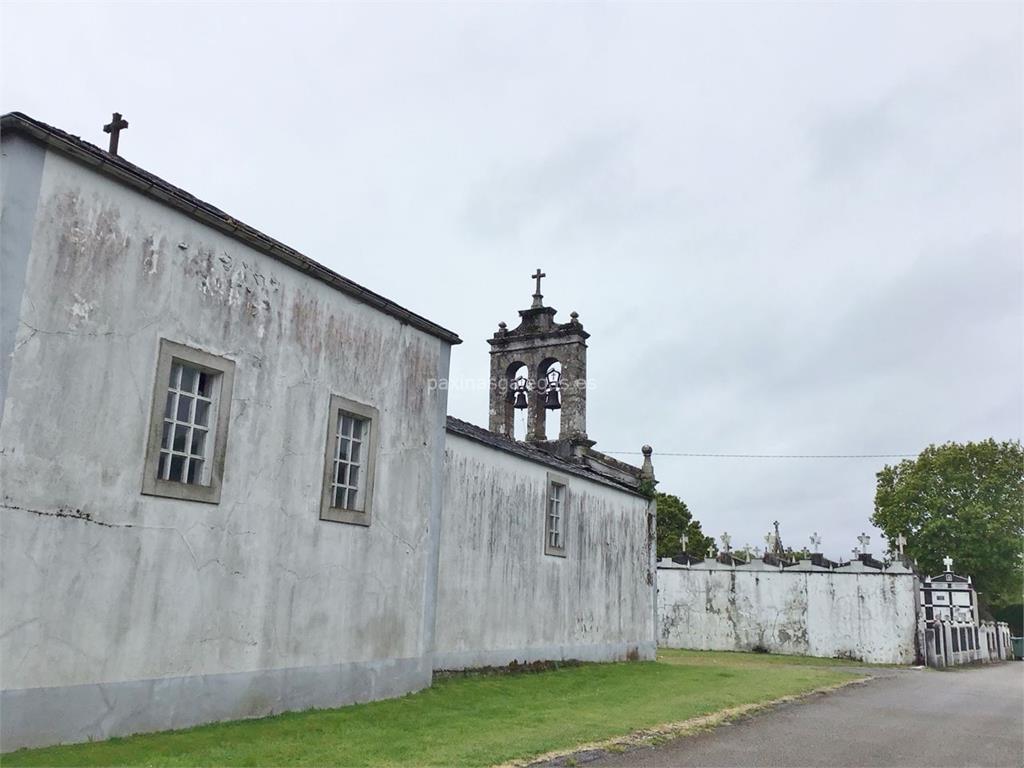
[[524, 374]]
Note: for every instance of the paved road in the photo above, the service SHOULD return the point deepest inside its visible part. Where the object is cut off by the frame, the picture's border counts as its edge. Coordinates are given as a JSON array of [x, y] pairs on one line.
[[967, 717]]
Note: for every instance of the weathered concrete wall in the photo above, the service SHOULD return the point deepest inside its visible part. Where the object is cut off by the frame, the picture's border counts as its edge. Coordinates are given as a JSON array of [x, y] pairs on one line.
[[867, 615], [21, 173], [123, 612], [501, 599]]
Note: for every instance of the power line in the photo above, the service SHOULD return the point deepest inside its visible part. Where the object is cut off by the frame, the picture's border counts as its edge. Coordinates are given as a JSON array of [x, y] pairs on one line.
[[774, 455]]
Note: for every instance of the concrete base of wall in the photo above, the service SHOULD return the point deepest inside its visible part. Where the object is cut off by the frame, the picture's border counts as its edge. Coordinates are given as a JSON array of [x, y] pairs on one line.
[[35, 717], [639, 651]]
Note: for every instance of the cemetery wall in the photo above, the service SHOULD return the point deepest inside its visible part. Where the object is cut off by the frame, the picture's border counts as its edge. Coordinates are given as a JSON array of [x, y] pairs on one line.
[[866, 614], [502, 599]]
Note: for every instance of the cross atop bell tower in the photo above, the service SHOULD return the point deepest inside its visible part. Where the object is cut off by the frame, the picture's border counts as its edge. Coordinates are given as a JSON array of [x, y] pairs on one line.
[[538, 366], [538, 297]]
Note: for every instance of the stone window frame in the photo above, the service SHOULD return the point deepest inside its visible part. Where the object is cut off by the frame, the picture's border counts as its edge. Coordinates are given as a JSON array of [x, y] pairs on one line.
[[340, 405], [551, 479], [223, 371]]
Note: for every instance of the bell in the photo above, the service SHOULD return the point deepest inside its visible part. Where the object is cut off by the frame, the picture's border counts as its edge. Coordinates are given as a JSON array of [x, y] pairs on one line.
[[551, 401], [521, 400]]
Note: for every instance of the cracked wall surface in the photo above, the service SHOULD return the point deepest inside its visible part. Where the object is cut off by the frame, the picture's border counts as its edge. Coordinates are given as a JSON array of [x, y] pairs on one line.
[[501, 599], [867, 616], [103, 587]]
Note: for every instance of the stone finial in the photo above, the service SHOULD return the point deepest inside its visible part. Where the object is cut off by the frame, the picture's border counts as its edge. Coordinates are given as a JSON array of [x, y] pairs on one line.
[[947, 561], [502, 326], [682, 542], [647, 470], [901, 542], [864, 541], [726, 542], [574, 318], [815, 542], [711, 551]]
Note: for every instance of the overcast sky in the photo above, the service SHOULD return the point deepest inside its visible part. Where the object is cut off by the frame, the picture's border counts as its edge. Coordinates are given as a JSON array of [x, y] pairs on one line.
[[789, 228]]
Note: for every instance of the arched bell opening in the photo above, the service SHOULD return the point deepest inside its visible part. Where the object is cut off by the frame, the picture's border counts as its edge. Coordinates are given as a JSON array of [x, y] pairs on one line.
[[549, 392], [517, 398]]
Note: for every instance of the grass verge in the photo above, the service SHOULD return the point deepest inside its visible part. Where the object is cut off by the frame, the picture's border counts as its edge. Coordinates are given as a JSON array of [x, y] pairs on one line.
[[478, 720]]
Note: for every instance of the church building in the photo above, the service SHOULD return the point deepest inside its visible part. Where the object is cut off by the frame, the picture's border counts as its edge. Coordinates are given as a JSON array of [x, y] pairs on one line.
[[229, 486]]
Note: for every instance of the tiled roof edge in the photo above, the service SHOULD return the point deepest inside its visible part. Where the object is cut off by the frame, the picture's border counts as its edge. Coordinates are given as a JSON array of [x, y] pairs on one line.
[[528, 452], [155, 187]]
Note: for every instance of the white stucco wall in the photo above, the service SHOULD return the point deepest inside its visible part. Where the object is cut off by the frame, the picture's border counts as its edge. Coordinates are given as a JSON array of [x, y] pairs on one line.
[[867, 615], [501, 599], [123, 612]]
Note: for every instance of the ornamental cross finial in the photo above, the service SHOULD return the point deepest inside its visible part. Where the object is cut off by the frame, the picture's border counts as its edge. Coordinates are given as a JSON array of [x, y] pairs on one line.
[[864, 540], [537, 296], [815, 542], [901, 542], [114, 127], [726, 542], [682, 541], [711, 550], [948, 562]]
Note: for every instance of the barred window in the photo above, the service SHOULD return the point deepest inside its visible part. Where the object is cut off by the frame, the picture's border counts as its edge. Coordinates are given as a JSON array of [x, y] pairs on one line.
[[556, 508], [346, 482], [349, 462], [184, 448], [188, 425]]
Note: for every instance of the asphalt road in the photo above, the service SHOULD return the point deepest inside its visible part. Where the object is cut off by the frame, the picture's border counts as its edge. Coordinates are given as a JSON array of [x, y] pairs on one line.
[[966, 717]]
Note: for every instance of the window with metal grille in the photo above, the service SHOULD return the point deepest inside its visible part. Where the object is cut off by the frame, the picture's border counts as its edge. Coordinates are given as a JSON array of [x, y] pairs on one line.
[[189, 422], [184, 443], [349, 462], [347, 483], [556, 506]]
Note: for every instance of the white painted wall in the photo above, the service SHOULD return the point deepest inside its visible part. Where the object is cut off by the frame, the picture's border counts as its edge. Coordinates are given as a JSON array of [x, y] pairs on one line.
[[867, 615], [501, 599], [159, 613]]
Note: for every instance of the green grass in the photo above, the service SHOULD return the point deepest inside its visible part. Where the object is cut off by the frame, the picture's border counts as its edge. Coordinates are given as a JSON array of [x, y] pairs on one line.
[[472, 720]]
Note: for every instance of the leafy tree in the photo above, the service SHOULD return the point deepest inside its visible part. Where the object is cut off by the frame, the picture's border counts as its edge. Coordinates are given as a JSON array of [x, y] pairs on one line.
[[961, 500], [673, 518]]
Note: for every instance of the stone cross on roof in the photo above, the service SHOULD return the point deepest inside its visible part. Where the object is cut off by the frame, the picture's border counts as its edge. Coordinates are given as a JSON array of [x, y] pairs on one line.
[[948, 562], [864, 540], [114, 127], [711, 550], [682, 541], [815, 542], [901, 542], [726, 541], [537, 296]]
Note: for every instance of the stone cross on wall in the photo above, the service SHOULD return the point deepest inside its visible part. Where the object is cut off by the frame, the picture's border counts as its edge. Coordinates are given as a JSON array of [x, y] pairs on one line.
[[726, 542], [815, 542], [864, 540], [682, 542], [901, 542], [948, 562]]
